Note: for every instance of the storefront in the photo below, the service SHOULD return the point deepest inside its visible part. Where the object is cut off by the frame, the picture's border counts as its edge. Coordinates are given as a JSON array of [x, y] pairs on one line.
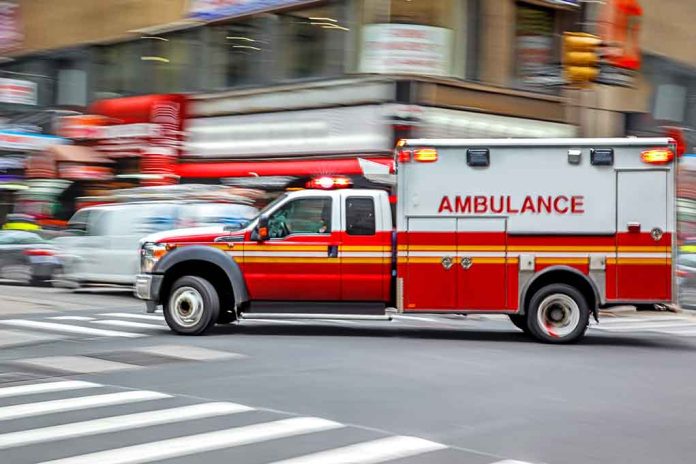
[[15, 148], [326, 128]]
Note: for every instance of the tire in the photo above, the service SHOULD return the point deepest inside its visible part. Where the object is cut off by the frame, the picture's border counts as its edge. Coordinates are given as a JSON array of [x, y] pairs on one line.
[[519, 321], [545, 322], [192, 306]]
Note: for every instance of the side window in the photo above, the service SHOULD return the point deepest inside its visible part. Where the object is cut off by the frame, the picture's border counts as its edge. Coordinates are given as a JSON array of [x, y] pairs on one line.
[[360, 216], [302, 216]]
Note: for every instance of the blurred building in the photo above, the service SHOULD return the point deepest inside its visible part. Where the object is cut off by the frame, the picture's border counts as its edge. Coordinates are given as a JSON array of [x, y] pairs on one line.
[[334, 80]]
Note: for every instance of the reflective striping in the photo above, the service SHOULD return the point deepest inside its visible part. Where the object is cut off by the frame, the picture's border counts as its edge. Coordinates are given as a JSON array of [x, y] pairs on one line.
[[130, 324], [51, 326], [117, 423], [370, 452], [192, 444], [47, 387], [325, 260], [147, 317], [72, 404]]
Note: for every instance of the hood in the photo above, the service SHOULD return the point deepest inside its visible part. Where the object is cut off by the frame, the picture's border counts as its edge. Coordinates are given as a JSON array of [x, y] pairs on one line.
[[192, 234]]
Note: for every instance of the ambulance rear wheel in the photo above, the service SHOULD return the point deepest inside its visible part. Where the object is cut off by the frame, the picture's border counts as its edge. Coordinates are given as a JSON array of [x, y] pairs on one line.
[[558, 313], [193, 306], [519, 321]]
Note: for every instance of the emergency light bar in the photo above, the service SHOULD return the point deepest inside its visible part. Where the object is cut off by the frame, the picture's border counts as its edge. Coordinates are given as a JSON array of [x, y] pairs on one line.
[[329, 183]]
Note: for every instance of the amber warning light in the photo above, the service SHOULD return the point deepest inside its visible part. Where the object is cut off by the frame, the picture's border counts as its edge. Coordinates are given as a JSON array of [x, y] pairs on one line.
[[657, 156], [422, 155]]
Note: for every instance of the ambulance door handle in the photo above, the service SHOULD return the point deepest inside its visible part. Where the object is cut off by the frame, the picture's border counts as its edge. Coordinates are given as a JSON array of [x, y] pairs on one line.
[[447, 263], [332, 251]]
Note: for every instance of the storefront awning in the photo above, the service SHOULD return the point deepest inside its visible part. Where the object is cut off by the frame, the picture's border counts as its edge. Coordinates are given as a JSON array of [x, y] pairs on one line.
[[313, 167]]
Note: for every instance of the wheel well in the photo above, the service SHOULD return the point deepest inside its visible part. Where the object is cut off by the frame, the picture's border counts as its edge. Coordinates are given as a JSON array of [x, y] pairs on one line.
[[562, 276], [206, 270]]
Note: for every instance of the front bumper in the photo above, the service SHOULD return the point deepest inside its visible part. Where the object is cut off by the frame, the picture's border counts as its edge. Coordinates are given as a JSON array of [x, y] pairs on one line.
[[147, 287]]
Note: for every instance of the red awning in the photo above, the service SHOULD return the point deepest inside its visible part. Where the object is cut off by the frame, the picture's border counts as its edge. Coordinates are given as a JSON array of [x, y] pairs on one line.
[[315, 167]]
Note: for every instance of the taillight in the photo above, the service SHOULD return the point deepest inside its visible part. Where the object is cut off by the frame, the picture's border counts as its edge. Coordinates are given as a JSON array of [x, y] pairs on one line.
[[425, 155], [657, 156], [404, 156], [682, 273], [38, 252]]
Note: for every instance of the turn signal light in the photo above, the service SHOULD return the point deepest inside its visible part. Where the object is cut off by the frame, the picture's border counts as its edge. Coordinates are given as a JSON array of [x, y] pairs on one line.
[[404, 156], [38, 252], [425, 155], [657, 156]]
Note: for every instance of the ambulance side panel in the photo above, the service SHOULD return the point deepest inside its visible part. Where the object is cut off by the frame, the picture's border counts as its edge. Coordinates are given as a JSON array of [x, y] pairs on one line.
[[536, 207]]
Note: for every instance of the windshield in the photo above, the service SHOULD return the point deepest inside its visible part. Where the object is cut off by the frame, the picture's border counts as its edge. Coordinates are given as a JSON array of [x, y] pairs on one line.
[[270, 206]]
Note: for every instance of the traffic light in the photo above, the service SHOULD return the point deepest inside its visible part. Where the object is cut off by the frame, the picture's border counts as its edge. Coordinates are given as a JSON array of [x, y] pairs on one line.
[[580, 57]]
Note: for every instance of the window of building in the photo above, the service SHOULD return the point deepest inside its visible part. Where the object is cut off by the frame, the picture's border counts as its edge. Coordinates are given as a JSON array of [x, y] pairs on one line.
[[118, 70], [237, 53], [537, 54], [303, 216], [171, 61], [360, 216], [312, 42]]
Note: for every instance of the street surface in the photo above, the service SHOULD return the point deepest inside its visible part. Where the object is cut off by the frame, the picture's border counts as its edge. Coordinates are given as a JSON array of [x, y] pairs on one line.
[[90, 378]]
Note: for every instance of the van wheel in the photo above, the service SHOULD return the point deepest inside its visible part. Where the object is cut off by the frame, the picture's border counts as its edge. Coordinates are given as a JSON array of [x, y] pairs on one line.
[[519, 321], [193, 306], [558, 313]]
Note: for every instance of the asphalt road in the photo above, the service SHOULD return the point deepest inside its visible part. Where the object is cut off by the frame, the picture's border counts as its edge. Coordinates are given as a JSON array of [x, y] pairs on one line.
[[90, 378]]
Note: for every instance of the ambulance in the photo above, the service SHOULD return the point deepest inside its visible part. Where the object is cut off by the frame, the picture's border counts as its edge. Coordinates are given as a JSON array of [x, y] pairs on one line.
[[546, 231]]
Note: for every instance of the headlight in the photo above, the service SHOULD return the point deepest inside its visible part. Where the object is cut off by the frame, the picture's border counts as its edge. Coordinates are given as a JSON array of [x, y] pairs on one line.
[[150, 253]]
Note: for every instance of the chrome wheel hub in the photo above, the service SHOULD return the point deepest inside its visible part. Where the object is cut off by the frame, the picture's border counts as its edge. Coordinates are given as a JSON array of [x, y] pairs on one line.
[[187, 306], [558, 315]]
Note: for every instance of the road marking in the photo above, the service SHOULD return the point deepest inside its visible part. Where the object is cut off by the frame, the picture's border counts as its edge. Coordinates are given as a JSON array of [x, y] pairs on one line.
[[648, 326], [621, 320], [149, 317], [45, 388], [51, 326], [192, 444], [191, 353], [71, 404], [76, 364], [370, 452], [72, 318], [510, 461], [117, 423], [131, 324]]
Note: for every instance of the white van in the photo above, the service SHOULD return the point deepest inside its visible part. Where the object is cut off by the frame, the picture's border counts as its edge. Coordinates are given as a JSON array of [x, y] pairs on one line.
[[102, 241]]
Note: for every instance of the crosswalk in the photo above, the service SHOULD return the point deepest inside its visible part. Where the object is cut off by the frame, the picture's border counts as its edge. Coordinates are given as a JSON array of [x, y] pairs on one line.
[[132, 325], [38, 424]]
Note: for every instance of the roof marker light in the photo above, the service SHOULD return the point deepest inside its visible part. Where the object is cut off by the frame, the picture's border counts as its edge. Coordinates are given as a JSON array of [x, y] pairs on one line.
[[425, 155], [329, 183], [657, 156]]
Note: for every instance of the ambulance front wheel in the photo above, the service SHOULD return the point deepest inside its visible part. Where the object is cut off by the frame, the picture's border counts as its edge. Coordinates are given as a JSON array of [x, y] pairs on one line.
[[558, 313], [193, 306]]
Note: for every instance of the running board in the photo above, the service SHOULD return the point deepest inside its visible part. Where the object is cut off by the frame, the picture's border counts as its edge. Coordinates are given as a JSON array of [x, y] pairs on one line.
[[340, 317]]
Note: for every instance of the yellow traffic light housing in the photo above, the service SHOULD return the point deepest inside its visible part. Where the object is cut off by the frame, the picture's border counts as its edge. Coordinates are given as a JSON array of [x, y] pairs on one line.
[[580, 57]]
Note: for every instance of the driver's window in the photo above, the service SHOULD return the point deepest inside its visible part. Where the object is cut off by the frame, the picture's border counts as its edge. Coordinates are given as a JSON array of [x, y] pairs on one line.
[[301, 216]]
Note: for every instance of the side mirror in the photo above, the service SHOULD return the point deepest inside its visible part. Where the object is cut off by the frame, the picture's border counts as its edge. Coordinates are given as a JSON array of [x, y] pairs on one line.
[[262, 229]]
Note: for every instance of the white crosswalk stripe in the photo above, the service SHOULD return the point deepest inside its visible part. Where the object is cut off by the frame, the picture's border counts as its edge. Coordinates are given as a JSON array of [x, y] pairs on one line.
[[188, 445], [47, 387], [145, 317], [668, 325], [65, 328], [371, 452], [117, 423], [130, 324], [71, 404]]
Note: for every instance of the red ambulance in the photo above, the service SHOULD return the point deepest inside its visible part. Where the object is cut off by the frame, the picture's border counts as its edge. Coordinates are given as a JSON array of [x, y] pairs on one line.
[[544, 230]]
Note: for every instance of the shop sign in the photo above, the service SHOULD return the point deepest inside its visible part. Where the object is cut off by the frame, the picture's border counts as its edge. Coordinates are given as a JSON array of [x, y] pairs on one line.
[[209, 10], [355, 130], [19, 141], [406, 49], [11, 35], [74, 171], [90, 132], [18, 92]]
